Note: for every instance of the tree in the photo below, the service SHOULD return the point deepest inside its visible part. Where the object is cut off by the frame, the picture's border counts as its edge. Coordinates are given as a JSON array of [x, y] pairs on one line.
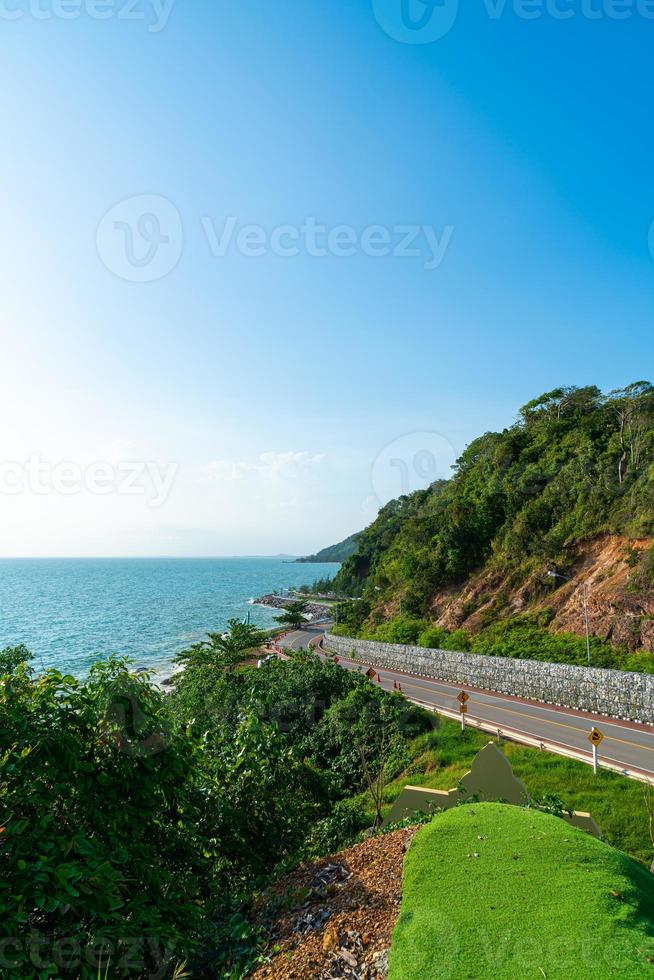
[[561, 401], [361, 740], [294, 615], [224, 649], [12, 657], [633, 407], [99, 843], [128, 838]]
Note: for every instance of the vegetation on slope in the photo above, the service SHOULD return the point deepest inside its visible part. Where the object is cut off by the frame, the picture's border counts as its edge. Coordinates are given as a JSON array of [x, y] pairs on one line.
[[524, 636], [335, 552], [140, 827], [135, 828], [492, 890], [441, 757], [576, 464]]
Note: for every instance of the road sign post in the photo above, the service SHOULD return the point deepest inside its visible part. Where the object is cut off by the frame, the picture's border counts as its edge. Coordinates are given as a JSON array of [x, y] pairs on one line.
[[595, 738], [462, 697]]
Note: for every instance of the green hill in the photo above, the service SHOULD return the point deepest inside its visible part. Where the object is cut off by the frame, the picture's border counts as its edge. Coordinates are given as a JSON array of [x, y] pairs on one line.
[[569, 486], [495, 891], [335, 552]]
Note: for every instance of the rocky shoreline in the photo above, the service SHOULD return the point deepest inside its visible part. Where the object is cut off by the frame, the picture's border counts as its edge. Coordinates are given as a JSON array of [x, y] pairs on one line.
[[314, 610]]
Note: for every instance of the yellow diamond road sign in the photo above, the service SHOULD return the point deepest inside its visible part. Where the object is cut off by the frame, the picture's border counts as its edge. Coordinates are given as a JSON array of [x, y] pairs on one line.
[[463, 697], [370, 673], [595, 737]]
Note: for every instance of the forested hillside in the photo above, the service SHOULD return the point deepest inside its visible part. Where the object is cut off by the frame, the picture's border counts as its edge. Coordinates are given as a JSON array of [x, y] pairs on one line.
[[569, 487], [335, 552]]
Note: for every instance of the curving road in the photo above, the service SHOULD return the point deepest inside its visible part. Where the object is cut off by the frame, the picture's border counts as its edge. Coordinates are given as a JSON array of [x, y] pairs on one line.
[[627, 747]]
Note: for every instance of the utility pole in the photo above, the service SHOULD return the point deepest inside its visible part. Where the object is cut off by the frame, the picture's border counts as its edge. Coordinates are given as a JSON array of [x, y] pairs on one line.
[[586, 618], [567, 578]]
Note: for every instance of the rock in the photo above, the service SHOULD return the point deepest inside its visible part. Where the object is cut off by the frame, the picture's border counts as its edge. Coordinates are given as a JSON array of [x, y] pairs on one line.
[[348, 957], [170, 681], [379, 962], [310, 921]]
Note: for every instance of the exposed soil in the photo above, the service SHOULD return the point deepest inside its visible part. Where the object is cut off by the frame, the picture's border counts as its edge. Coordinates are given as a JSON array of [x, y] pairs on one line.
[[337, 914], [620, 605]]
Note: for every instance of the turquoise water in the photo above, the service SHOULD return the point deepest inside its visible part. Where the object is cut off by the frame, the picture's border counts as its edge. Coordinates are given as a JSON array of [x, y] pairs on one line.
[[71, 612]]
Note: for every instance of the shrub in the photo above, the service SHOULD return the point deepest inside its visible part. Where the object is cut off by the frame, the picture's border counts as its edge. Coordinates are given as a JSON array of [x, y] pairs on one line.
[[432, 637], [124, 831], [340, 829], [458, 640], [519, 637], [404, 629], [93, 850]]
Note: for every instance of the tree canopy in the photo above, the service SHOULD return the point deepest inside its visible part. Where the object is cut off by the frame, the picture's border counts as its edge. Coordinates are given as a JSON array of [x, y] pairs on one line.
[[576, 463]]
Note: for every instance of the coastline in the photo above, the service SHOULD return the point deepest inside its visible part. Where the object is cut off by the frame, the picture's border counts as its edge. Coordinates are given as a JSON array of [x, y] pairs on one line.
[[314, 610]]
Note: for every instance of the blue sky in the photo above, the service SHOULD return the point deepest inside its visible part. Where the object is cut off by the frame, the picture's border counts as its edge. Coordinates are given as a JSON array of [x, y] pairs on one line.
[[286, 393]]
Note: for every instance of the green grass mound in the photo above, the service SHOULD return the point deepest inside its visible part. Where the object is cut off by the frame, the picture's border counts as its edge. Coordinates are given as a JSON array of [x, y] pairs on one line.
[[492, 890]]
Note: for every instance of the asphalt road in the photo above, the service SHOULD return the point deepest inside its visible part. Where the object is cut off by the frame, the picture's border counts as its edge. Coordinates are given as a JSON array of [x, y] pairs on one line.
[[300, 639], [627, 747]]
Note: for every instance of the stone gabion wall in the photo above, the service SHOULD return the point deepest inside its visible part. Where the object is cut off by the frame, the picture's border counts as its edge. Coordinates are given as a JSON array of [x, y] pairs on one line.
[[616, 693]]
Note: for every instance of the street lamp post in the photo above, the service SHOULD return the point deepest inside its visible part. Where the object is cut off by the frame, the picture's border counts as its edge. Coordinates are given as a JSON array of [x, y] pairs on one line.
[[567, 578]]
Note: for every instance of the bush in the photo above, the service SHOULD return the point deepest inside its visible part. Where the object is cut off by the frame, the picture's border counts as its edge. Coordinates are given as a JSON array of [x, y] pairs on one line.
[[519, 637], [433, 637], [124, 831], [92, 848], [641, 662], [458, 640], [341, 828], [12, 657], [401, 630]]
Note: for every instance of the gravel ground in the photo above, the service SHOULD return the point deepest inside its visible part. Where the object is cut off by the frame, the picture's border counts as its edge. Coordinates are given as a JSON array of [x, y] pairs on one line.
[[337, 914]]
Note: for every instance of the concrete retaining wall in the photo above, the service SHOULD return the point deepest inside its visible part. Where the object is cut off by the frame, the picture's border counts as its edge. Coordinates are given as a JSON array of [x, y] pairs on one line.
[[616, 693]]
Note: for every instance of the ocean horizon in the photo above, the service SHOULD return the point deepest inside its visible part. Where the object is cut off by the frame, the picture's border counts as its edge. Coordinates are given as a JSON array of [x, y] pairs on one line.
[[72, 612]]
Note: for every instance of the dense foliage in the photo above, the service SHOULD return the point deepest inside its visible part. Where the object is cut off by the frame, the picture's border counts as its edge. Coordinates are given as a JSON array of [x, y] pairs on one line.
[[293, 615], [101, 852], [135, 827], [576, 463], [525, 637], [335, 552]]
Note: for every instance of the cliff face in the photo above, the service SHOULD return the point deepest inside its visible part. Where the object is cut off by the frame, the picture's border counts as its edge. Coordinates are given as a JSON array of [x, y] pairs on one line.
[[610, 569]]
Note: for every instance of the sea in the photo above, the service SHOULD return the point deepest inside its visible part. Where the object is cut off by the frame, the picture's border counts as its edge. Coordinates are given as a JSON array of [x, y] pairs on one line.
[[71, 612]]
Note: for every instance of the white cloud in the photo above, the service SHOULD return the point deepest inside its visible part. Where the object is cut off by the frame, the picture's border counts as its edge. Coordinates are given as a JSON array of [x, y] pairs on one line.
[[225, 470], [289, 465]]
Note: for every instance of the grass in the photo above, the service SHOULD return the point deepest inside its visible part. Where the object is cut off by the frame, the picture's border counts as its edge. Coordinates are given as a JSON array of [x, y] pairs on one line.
[[441, 757], [497, 891]]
